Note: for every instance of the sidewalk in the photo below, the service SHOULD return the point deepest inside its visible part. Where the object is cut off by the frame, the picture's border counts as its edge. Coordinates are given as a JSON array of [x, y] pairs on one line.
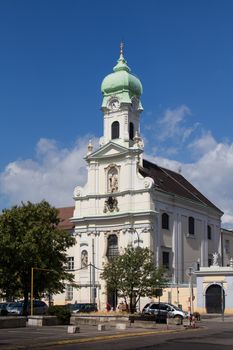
[[36, 337]]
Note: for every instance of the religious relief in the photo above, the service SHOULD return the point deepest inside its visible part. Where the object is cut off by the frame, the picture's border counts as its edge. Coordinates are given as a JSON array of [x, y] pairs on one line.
[[111, 205], [84, 259]]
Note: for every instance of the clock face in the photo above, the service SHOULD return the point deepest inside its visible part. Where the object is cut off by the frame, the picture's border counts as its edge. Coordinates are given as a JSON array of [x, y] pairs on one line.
[[114, 104]]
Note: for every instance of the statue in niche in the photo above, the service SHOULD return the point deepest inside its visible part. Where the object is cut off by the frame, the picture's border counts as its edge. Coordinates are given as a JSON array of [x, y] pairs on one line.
[[84, 259], [113, 183], [113, 180]]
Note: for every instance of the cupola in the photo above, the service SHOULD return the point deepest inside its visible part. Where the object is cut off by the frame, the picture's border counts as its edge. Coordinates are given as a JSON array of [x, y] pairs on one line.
[[121, 83]]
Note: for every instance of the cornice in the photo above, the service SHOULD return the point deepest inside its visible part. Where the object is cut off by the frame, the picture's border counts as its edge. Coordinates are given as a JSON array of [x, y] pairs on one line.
[[111, 216]]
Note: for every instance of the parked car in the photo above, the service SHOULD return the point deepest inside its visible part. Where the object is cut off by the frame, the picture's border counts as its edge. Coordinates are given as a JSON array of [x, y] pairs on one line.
[[83, 307], [8, 305], [16, 308], [39, 307], [163, 310]]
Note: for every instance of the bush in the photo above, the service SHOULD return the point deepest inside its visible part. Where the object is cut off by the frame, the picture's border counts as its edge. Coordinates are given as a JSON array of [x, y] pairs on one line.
[[61, 311]]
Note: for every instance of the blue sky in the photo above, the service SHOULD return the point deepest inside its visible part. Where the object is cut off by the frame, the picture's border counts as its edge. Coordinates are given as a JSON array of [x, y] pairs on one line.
[[54, 56]]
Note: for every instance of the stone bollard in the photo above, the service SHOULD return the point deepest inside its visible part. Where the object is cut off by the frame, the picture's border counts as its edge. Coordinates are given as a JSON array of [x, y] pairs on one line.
[[35, 321], [73, 329], [101, 327], [121, 326]]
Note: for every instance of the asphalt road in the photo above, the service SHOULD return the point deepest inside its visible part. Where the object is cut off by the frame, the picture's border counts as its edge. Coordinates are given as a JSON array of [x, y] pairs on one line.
[[211, 335]]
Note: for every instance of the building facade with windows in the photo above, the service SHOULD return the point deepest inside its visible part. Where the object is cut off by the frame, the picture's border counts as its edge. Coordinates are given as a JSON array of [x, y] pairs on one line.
[[227, 246], [128, 200]]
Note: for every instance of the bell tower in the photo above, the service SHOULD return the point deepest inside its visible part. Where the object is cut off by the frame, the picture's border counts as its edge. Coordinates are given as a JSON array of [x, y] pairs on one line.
[[121, 105]]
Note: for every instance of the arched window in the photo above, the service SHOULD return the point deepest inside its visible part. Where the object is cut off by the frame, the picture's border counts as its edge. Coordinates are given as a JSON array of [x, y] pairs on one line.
[[84, 259], [165, 221], [115, 130], [131, 131], [209, 231], [112, 249], [191, 226]]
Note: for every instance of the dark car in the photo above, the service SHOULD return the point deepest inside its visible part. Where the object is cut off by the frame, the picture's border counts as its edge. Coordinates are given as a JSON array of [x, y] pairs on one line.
[[83, 307], [15, 308], [39, 307]]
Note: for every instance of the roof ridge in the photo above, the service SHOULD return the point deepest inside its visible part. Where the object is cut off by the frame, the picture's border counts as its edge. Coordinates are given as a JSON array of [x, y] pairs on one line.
[[193, 194]]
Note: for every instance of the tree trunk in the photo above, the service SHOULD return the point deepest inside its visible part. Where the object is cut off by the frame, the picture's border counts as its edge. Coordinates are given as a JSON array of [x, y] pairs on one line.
[[25, 303], [131, 304]]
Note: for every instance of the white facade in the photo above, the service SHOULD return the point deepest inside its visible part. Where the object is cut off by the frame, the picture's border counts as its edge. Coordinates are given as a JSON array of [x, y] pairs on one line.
[[122, 203]]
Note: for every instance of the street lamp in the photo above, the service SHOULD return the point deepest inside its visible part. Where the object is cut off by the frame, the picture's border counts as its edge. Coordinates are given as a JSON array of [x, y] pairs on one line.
[[189, 273], [133, 230]]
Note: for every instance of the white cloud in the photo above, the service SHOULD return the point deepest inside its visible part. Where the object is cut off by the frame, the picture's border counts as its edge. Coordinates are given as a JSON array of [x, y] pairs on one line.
[[164, 162], [171, 123], [52, 176], [212, 173], [203, 144], [172, 131]]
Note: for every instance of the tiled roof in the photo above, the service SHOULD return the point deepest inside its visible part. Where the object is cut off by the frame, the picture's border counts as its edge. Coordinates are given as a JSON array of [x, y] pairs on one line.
[[65, 214], [174, 183]]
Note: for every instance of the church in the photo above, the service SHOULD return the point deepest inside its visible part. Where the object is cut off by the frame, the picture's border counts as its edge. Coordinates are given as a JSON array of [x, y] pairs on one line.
[[128, 200]]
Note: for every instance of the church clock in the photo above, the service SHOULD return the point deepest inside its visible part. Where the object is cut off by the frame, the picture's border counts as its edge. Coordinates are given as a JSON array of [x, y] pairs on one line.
[[114, 104]]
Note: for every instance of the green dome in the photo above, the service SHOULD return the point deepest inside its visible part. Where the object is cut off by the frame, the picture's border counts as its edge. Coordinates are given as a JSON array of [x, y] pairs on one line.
[[121, 81]]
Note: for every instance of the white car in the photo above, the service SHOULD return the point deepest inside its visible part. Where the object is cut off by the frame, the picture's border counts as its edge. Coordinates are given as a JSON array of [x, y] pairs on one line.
[[163, 310]]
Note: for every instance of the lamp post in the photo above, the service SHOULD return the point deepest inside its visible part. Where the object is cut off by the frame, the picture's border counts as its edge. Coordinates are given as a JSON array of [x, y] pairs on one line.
[[189, 273], [159, 294]]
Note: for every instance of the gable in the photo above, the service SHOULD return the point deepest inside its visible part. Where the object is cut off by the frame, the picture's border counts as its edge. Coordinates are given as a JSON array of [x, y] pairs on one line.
[[110, 150]]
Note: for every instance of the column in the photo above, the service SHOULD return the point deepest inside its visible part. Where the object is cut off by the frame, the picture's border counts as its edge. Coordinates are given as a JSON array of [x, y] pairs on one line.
[[157, 231], [204, 245], [177, 249]]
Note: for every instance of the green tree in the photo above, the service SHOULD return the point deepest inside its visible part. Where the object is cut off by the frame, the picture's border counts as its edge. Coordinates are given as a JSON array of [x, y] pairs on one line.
[[30, 237], [133, 275]]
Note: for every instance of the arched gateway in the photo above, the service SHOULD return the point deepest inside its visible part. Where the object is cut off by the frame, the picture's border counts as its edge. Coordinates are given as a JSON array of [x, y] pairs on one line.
[[215, 299]]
